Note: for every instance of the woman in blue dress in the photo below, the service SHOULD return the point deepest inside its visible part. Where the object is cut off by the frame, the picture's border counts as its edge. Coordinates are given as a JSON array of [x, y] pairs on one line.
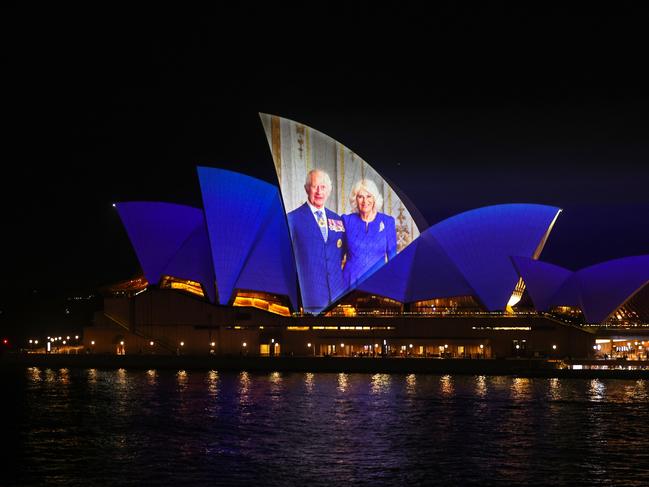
[[371, 235]]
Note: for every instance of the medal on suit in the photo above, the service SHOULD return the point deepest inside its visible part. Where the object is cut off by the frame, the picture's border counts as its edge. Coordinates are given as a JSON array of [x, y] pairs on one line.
[[321, 221], [339, 243]]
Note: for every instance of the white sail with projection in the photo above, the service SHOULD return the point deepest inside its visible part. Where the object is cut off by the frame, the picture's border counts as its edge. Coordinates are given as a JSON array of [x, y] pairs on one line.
[[349, 225]]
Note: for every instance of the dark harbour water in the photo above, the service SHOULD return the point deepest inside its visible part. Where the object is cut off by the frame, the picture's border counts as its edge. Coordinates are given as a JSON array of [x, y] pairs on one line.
[[117, 427]]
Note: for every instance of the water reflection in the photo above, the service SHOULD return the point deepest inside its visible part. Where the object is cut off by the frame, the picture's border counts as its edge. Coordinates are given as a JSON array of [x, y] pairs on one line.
[[181, 378], [411, 384], [92, 376], [309, 382], [357, 429], [121, 377], [554, 388], [521, 388], [244, 388], [380, 383], [481, 386], [34, 374], [50, 376], [446, 385], [212, 380], [64, 376], [276, 386], [597, 390], [342, 382]]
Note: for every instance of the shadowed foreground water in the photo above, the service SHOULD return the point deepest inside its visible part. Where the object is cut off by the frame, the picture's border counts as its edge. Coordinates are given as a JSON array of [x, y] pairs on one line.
[[119, 427]]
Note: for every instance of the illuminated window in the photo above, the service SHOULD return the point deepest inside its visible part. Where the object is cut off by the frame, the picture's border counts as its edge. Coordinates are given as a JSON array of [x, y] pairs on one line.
[[192, 287], [446, 305], [268, 302], [360, 303], [126, 288]]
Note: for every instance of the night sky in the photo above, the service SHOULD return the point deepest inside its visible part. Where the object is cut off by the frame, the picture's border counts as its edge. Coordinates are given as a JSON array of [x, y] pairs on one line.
[[460, 111]]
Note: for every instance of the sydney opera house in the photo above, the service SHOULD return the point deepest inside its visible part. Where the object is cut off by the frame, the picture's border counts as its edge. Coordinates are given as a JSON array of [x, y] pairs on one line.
[[336, 261]]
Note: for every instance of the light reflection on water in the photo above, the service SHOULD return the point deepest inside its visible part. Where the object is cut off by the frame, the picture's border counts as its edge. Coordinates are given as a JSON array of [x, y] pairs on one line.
[[342, 382], [381, 383], [309, 381], [75, 426], [446, 384], [481, 386]]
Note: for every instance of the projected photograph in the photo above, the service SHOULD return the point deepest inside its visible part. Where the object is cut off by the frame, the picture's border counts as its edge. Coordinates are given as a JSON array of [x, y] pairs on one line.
[[345, 220]]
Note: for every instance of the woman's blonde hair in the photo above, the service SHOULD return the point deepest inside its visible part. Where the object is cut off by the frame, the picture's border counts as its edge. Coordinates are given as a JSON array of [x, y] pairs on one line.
[[369, 186]]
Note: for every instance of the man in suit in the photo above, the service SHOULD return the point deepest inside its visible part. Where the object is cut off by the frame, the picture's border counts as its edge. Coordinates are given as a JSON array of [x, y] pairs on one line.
[[319, 244]]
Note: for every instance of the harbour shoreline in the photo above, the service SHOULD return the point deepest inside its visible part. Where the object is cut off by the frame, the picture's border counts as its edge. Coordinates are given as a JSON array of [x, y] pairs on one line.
[[523, 367]]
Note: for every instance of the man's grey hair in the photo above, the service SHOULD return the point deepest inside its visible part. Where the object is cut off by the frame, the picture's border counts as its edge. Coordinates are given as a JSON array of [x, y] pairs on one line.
[[307, 181]]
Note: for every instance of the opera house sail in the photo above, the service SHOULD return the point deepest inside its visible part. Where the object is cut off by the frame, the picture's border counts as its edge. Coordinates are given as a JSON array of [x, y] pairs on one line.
[[335, 249]]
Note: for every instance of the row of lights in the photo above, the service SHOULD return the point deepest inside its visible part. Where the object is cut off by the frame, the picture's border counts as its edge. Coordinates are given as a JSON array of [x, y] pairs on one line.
[[376, 345], [152, 343], [628, 344], [554, 347]]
